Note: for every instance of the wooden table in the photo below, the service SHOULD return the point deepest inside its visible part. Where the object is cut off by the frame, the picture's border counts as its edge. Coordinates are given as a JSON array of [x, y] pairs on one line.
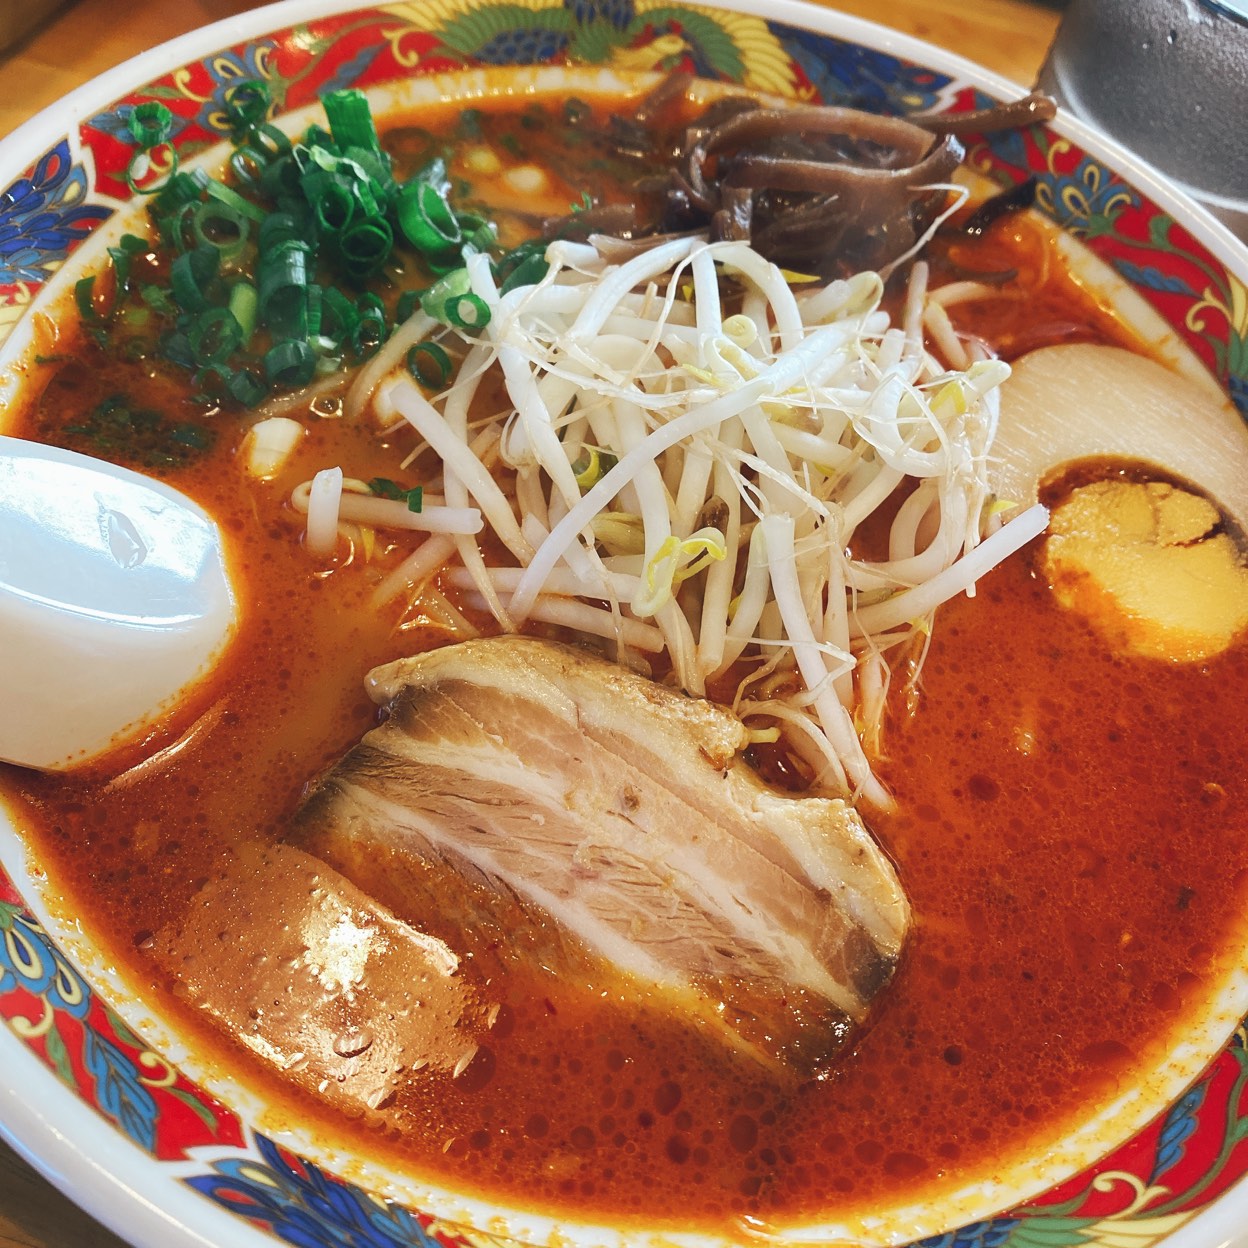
[[86, 38]]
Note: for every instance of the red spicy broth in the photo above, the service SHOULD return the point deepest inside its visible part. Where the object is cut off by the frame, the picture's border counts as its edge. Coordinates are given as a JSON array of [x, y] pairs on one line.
[[1071, 830]]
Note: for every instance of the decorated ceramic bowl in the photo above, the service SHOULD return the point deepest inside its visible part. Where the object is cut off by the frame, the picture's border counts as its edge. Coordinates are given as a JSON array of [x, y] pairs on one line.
[[159, 1139]]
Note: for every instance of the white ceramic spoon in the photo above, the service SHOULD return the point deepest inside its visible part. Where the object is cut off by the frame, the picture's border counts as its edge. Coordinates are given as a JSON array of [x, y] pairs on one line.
[[114, 598]]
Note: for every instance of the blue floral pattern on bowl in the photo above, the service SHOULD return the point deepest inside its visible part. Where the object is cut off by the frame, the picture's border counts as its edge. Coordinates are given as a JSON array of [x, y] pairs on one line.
[[44, 215]]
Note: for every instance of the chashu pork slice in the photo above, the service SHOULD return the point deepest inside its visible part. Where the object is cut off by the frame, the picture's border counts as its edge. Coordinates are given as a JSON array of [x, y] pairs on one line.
[[556, 807], [293, 961]]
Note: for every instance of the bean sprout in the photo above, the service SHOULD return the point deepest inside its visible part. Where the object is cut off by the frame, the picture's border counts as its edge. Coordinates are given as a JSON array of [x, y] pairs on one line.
[[689, 455]]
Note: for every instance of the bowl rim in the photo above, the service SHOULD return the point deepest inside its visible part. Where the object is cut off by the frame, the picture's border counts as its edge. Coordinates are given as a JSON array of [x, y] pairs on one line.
[[28, 141], [106, 1175], [64, 1137]]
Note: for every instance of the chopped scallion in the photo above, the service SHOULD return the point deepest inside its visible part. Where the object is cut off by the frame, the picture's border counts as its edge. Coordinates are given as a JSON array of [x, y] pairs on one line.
[[468, 311], [246, 388], [282, 287], [365, 246], [290, 363], [190, 275], [383, 487], [244, 302], [249, 257], [246, 105], [429, 364], [214, 336], [150, 124], [351, 120], [84, 297], [217, 224], [427, 220]]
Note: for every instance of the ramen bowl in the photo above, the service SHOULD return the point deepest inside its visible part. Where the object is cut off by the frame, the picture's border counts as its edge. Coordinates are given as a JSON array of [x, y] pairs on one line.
[[166, 1139]]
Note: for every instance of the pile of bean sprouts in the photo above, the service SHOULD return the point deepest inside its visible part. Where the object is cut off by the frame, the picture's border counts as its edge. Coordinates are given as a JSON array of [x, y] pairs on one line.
[[691, 442]]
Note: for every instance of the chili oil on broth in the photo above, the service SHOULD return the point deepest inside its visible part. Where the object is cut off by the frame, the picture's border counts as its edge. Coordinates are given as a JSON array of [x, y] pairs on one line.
[[1072, 842], [1070, 873]]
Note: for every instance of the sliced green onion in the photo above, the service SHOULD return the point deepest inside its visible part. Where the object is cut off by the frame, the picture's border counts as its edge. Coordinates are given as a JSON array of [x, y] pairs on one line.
[[278, 228], [131, 244], [122, 255], [316, 305], [214, 336], [333, 200], [407, 303], [351, 120], [137, 319], [246, 388], [429, 364], [368, 193], [194, 436], [528, 273], [246, 105], [248, 165], [84, 297], [434, 173], [243, 305], [479, 238], [140, 167], [190, 275], [371, 329], [282, 287], [173, 203], [173, 228], [427, 220], [313, 156], [329, 198], [322, 167], [521, 266], [176, 346], [448, 262], [218, 225], [270, 141], [468, 311], [365, 246], [376, 165], [280, 180], [340, 325], [383, 487], [265, 159], [232, 199], [451, 286], [315, 136], [158, 299], [178, 190], [290, 363], [150, 124]]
